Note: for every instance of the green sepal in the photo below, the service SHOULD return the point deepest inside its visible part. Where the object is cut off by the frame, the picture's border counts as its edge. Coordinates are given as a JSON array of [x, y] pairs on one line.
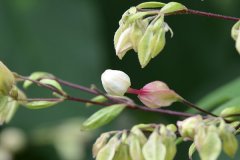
[[150, 5], [36, 76], [172, 7]]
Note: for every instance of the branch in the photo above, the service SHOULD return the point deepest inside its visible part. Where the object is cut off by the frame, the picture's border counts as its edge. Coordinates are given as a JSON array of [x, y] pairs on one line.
[[194, 12]]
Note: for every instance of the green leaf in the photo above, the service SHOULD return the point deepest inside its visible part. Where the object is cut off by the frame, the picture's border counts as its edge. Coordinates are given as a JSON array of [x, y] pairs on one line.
[[103, 116], [36, 76], [220, 96], [154, 149], [191, 151], [39, 104], [208, 143], [172, 7], [150, 5]]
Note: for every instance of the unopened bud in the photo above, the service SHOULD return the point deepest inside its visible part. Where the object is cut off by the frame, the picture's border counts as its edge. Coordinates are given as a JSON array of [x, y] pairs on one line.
[[157, 94], [236, 35], [115, 82], [187, 127], [7, 80]]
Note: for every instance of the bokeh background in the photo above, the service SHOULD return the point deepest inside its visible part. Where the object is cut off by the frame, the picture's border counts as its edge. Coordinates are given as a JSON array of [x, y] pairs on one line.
[[73, 39]]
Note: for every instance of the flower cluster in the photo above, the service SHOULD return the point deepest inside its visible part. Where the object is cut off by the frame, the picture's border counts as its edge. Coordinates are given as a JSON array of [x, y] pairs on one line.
[[144, 31], [210, 136], [134, 144]]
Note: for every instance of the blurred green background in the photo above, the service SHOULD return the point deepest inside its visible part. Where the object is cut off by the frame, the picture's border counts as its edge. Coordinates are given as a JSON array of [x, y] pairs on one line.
[[73, 39]]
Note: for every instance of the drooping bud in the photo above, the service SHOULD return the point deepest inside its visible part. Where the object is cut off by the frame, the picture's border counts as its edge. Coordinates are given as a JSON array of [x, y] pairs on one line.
[[236, 35], [115, 82], [157, 94], [100, 143], [187, 127], [154, 149], [229, 140], [7, 80], [109, 150], [208, 142]]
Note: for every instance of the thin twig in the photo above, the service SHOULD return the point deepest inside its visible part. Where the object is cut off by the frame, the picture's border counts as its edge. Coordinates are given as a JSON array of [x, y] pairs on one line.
[[197, 108], [194, 12]]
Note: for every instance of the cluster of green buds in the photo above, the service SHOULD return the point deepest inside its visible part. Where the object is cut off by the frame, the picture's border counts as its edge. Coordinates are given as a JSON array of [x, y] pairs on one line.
[[135, 145], [9, 94], [236, 35], [209, 136], [144, 30]]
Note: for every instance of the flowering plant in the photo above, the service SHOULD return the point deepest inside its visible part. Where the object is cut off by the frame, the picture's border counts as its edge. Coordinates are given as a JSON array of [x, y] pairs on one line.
[[210, 129]]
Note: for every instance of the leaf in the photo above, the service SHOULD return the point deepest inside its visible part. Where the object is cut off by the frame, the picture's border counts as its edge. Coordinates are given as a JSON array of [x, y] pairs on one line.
[[172, 7], [220, 96], [154, 149], [36, 76], [39, 104], [208, 143], [108, 151], [150, 5], [191, 151], [103, 116]]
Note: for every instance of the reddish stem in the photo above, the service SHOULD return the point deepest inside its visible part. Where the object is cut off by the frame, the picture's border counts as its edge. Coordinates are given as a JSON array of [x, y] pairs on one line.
[[133, 91]]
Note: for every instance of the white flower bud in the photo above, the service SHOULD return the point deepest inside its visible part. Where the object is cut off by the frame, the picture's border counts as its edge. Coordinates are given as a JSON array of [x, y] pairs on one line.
[[115, 82]]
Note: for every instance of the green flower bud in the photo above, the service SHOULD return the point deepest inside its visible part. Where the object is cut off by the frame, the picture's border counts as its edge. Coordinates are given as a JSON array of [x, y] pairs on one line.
[[144, 49], [154, 149], [122, 152], [229, 140], [109, 150], [135, 147], [8, 107], [187, 127], [172, 7], [235, 35], [103, 116], [100, 143], [208, 142], [169, 140], [7, 80], [231, 111]]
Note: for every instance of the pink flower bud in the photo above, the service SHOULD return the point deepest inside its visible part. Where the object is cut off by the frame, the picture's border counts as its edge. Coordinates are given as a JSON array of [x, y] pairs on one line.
[[157, 94]]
